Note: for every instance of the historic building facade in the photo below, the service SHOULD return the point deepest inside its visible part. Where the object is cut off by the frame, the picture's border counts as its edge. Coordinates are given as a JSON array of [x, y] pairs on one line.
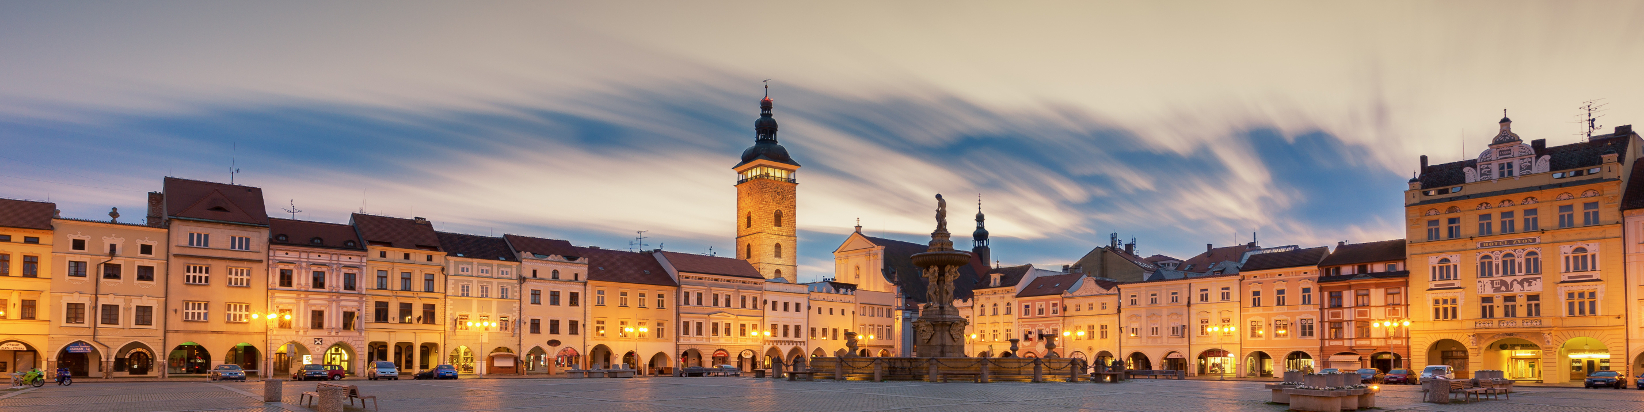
[[482, 303], [1091, 314], [26, 276], [1277, 299], [316, 297], [766, 202], [218, 251], [407, 268], [1520, 257], [115, 289], [831, 306], [623, 328], [551, 315], [1366, 309], [725, 295], [786, 319], [993, 311], [1040, 317]]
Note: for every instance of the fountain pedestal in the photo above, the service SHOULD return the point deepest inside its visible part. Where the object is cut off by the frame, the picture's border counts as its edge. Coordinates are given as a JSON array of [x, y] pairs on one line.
[[940, 330]]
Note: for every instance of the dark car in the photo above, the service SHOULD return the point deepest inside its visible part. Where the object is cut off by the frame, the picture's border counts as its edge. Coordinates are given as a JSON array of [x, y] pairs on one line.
[[1399, 376], [321, 372], [1605, 379], [439, 372], [227, 373], [1639, 383], [1369, 375]]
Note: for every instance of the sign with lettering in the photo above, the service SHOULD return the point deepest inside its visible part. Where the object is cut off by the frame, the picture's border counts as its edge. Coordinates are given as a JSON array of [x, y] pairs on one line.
[[13, 345], [79, 347], [1509, 242], [1513, 284]]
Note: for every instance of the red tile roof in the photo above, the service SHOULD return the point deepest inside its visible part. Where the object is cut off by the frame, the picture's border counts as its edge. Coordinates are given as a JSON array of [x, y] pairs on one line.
[[396, 232], [304, 233], [476, 247], [541, 246], [1049, 285], [194, 199], [1009, 276], [26, 214], [1356, 253], [1215, 255], [626, 267], [1280, 260], [712, 265]]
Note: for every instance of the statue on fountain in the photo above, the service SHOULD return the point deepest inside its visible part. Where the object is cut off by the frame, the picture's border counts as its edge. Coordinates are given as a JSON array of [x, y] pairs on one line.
[[940, 330]]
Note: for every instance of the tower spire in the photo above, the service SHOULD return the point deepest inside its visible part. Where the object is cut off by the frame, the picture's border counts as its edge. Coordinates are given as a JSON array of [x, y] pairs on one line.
[[765, 127]]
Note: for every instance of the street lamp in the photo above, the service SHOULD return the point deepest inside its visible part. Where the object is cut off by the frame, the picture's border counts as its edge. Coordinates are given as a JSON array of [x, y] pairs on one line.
[[630, 332], [1392, 327]]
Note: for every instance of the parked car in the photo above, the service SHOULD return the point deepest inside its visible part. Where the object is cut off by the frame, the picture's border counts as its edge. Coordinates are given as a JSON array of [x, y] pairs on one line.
[[383, 370], [1399, 376], [317, 371], [1639, 383], [1610, 379], [1368, 375], [227, 373], [1438, 372], [439, 372]]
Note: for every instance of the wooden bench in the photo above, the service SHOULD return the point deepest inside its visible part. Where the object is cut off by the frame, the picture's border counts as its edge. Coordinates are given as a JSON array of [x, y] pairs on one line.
[[354, 393], [1458, 386], [809, 375]]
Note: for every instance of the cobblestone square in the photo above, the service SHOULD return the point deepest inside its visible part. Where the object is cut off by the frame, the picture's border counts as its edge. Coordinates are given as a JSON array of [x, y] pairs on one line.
[[749, 394]]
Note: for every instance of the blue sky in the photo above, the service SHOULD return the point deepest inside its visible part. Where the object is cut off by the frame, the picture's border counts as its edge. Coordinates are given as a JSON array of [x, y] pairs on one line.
[[1178, 124]]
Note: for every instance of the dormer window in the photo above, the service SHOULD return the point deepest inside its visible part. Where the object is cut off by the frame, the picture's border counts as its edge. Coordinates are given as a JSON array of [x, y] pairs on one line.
[[281, 238], [317, 241]]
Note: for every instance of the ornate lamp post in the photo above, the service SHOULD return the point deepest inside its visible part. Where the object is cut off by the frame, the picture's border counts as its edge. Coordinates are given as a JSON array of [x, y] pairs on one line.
[[1392, 328], [630, 330]]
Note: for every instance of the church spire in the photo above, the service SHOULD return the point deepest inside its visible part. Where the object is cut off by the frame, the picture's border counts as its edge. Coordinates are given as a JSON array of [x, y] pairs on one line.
[[765, 127], [979, 238]]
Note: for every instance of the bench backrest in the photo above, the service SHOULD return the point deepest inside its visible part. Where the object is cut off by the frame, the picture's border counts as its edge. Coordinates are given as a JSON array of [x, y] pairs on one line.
[[1458, 384]]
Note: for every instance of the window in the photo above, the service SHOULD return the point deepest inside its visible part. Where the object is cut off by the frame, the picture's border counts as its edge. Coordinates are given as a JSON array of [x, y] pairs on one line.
[[1433, 229], [502, 323], [31, 266], [1394, 297], [553, 326], [74, 313], [571, 327], [1444, 270], [1566, 216], [1532, 263], [77, 244], [146, 250], [1103, 332], [5, 264], [1509, 264], [110, 315], [405, 281], [1336, 331], [1509, 306], [1278, 297], [777, 220], [1531, 221], [642, 300], [285, 278], [428, 314], [194, 311], [552, 275], [660, 304], [1335, 299], [380, 312], [1453, 228], [1484, 224], [1589, 213], [239, 277], [199, 239], [143, 316], [27, 309], [1174, 298], [1280, 328], [1444, 308], [622, 298], [1361, 329], [1227, 294], [382, 280], [1204, 295], [197, 275], [536, 297], [405, 312], [1581, 303], [1486, 266], [428, 282], [1532, 306], [239, 243], [77, 269], [778, 250], [316, 319], [599, 297], [1132, 303], [1361, 297], [1307, 296], [1487, 307], [348, 321], [571, 299], [660, 331], [1507, 222], [1255, 300], [318, 280], [485, 291], [1579, 260], [536, 326], [348, 281], [31, 240], [462, 290], [748, 221], [1306, 328]]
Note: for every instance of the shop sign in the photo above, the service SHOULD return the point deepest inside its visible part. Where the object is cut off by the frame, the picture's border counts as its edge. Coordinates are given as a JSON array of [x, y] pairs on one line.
[[1518, 284], [721, 354], [747, 353], [79, 347], [1509, 242], [13, 346]]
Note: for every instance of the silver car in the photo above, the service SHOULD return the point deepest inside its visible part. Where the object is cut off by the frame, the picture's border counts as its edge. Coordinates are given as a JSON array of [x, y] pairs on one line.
[[1437, 372], [382, 370]]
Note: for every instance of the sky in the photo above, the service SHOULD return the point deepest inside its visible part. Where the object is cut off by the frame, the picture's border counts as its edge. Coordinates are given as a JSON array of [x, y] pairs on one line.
[[1178, 124]]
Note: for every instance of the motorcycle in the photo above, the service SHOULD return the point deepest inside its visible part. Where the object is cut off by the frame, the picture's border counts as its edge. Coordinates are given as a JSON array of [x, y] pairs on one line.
[[34, 378], [64, 378]]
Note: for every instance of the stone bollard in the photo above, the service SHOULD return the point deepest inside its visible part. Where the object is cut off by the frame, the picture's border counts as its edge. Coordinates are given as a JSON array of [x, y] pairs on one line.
[[1073, 371], [839, 369], [1038, 371], [934, 374], [776, 368], [273, 390], [878, 371], [332, 397], [987, 373]]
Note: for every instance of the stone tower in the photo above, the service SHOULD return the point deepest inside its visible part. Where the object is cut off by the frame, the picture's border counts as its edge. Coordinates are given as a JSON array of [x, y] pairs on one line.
[[766, 202]]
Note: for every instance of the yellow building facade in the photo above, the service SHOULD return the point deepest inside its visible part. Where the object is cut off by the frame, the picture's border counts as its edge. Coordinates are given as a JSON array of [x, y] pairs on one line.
[[217, 275], [117, 290], [406, 265], [1517, 258], [26, 274]]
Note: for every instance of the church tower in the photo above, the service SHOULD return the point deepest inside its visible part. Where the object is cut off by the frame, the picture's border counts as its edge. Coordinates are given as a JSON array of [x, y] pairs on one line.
[[766, 202], [979, 238]]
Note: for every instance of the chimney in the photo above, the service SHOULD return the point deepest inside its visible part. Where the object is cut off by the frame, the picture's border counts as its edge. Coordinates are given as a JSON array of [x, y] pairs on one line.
[[156, 209], [1340, 243], [1540, 145], [420, 220], [1209, 247], [1130, 248], [1423, 164], [1065, 268], [1624, 130]]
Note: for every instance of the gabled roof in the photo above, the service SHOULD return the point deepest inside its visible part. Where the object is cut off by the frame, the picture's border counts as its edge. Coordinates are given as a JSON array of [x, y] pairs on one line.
[[902, 273], [306, 233], [1049, 285], [1280, 260], [476, 247], [396, 232], [541, 246], [26, 214], [626, 267], [712, 265], [1356, 253], [194, 199], [1577, 155], [1221, 254], [1009, 276]]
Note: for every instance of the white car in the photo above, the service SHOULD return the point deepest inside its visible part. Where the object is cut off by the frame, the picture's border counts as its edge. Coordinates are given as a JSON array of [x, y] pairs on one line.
[[382, 370], [1437, 372]]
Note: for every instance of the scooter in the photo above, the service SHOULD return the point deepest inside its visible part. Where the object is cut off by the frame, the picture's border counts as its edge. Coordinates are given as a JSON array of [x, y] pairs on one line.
[[64, 378]]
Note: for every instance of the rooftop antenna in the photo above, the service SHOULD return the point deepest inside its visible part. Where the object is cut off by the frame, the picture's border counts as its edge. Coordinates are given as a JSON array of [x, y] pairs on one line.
[[639, 242], [1590, 110], [711, 251], [293, 210], [233, 164], [362, 201]]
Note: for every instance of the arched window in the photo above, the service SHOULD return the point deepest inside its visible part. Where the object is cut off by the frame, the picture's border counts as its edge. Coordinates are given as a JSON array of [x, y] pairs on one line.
[[995, 309], [1532, 263], [779, 273], [1579, 260], [554, 274], [1486, 266], [1007, 309], [1509, 264], [749, 220], [748, 253], [778, 250], [1444, 270], [778, 220]]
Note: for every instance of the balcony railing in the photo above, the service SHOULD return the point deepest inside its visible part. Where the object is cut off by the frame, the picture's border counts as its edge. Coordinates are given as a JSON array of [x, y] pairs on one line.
[[766, 177]]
